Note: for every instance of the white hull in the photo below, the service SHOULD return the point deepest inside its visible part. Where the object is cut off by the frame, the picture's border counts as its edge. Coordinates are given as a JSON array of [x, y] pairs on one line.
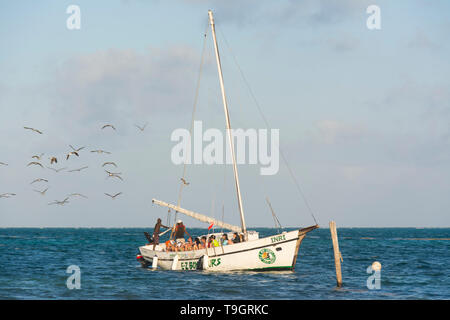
[[278, 252]]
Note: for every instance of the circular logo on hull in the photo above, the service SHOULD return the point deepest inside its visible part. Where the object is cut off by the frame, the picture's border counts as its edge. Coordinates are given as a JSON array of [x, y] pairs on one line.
[[267, 256]]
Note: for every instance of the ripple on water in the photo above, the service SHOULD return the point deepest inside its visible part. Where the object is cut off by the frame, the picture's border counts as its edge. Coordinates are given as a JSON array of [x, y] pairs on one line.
[[34, 263]]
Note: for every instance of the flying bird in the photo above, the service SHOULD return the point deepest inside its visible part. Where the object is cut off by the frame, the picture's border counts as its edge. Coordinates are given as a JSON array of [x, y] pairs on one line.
[[113, 174], [39, 180], [41, 192], [61, 203], [79, 169], [113, 196], [185, 182], [7, 195], [77, 195], [37, 157], [35, 163], [101, 151], [76, 150], [53, 160], [57, 170], [141, 128], [3, 164], [112, 163], [32, 129], [108, 125], [71, 153]]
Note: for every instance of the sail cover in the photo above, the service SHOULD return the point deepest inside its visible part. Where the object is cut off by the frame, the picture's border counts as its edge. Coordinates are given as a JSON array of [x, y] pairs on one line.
[[199, 216]]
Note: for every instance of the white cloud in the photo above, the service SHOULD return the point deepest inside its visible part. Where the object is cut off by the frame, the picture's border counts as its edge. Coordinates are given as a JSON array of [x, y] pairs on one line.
[[115, 83]]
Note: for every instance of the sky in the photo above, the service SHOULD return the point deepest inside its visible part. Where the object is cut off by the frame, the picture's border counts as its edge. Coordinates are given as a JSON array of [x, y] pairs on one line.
[[363, 115]]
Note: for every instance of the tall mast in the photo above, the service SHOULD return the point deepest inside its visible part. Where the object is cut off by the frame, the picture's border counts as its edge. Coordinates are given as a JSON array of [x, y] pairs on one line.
[[227, 118]]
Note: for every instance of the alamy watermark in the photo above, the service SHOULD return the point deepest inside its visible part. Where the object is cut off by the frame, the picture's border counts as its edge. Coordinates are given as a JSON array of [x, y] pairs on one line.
[[73, 22], [374, 281], [252, 146], [373, 22], [74, 280]]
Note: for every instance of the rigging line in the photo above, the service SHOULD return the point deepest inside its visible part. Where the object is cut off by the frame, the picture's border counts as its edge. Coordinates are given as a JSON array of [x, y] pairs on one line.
[[223, 193], [268, 126], [275, 218], [193, 117]]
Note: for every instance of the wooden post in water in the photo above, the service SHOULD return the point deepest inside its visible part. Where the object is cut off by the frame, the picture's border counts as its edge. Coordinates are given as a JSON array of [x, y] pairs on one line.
[[337, 253]]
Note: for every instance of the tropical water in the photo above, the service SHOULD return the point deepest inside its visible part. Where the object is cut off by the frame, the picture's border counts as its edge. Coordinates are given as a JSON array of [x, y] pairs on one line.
[[33, 265]]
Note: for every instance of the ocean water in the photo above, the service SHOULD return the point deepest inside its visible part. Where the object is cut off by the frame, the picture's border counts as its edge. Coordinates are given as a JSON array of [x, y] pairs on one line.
[[33, 264]]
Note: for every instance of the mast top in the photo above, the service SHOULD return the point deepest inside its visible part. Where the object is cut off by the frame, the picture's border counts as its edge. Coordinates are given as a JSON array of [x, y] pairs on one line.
[[211, 19], [228, 125]]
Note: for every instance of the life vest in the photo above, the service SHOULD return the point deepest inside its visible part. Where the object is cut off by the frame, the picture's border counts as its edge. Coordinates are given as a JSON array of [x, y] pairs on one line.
[[179, 231]]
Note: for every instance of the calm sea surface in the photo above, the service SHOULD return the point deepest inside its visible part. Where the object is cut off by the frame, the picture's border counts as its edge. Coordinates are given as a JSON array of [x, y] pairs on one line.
[[33, 265]]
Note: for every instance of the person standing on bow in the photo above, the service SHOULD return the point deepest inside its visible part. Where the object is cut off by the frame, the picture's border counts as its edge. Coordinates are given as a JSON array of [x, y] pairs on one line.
[[158, 226]]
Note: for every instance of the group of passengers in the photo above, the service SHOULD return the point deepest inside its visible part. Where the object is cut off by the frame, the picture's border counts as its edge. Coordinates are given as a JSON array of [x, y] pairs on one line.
[[178, 243]]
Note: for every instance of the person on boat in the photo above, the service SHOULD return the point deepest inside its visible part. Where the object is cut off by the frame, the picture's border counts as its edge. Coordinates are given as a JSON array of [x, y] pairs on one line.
[[179, 232], [225, 240], [203, 242], [213, 242], [188, 246], [241, 237], [156, 230], [170, 245], [197, 244], [236, 238]]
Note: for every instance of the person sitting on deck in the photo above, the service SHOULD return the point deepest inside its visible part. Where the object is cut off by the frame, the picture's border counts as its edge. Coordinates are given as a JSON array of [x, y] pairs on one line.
[[213, 242], [170, 245], [179, 231], [203, 242], [236, 238], [225, 240], [188, 246], [197, 244], [158, 226]]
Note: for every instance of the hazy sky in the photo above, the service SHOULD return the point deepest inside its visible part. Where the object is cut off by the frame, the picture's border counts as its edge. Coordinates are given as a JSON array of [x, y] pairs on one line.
[[364, 115]]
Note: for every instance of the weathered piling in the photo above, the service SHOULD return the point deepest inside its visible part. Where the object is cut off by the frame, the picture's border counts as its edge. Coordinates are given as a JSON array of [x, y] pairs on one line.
[[337, 253]]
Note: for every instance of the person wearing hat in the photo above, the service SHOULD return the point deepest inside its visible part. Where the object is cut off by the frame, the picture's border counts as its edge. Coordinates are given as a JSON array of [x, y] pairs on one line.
[[180, 229]]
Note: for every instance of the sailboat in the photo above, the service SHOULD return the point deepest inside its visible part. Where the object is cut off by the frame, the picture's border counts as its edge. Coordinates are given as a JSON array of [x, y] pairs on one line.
[[276, 252]]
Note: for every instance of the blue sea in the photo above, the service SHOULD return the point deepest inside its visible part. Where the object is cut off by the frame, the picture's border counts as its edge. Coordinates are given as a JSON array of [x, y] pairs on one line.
[[33, 265]]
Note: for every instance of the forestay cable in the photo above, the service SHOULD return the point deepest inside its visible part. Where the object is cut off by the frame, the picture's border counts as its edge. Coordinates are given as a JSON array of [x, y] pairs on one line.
[[291, 173]]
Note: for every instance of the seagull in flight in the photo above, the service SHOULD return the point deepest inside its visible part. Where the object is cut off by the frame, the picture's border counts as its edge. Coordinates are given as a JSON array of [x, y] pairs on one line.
[[101, 151], [113, 196], [37, 157], [35, 163], [32, 129], [77, 195], [71, 153], [76, 150], [112, 163], [57, 170], [114, 174], [61, 203], [3, 164], [108, 125], [141, 128], [7, 195], [41, 192], [39, 180], [79, 169], [184, 182]]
